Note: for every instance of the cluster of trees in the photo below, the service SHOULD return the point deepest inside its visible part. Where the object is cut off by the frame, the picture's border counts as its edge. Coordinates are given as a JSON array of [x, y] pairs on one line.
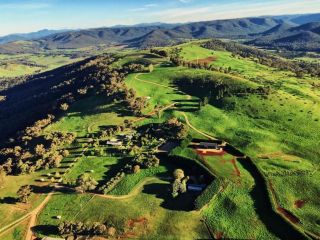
[[213, 89], [86, 229], [115, 88], [9, 82], [24, 194], [92, 76], [135, 104], [160, 52], [145, 160], [298, 67], [31, 151], [172, 129], [85, 183], [141, 149]]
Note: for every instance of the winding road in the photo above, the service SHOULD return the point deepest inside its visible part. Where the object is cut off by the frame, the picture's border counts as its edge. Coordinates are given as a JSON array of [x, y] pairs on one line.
[[172, 105]]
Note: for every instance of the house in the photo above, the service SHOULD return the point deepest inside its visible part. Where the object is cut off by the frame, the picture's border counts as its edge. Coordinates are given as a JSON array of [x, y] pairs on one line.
[[196, 187], [208, 148], [209, 145]]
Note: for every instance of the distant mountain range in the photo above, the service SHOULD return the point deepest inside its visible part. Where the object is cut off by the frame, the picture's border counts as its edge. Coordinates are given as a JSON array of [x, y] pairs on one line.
[[300, 18], [293, 32], [305, 37], [28, 36]]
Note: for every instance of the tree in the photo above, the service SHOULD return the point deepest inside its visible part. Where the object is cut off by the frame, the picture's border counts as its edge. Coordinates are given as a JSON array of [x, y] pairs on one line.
[[2, 177], [65, 153], [99, 228], [180, 183], [136, 169], [151, 68], [86, 183], [24, 193], [151, 161], [178, 174], [175, 129], [64, 106], [55, 159], [40, 150]]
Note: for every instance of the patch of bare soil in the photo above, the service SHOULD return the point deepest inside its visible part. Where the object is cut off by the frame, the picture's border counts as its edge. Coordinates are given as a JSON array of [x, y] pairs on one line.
[[299, 203], [205, 60]]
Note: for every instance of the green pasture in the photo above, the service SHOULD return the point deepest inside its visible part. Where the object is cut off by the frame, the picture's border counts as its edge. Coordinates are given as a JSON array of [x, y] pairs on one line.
[[150, 204], [300, 187]]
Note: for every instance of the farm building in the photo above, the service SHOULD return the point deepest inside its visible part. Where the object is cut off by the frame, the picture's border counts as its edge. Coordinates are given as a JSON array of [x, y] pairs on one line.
[[209, 145], [205, 148]]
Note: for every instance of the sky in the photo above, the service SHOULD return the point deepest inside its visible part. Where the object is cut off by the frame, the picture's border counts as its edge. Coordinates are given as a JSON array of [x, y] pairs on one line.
[[19, 16]]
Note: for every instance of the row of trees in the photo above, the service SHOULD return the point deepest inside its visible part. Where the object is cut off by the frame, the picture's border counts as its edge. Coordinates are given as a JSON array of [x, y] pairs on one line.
[[213, 89], [178, 61], [298, 67], [86, 229]]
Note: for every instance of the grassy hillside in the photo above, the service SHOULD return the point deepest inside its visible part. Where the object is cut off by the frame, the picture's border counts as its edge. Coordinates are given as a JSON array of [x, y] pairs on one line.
[[270, 115]]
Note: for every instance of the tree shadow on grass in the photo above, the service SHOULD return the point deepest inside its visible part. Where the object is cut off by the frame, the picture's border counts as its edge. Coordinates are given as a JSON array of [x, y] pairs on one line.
[[113, 169], [8, 200], [184, 202], [45, 230], [65, 189], [120, 108]]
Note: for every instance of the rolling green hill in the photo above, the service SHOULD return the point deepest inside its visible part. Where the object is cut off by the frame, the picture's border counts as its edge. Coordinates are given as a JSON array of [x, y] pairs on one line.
[[255, 106]]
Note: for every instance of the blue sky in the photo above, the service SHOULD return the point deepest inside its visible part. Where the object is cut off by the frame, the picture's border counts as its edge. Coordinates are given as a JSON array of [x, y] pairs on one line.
[[32, 15]]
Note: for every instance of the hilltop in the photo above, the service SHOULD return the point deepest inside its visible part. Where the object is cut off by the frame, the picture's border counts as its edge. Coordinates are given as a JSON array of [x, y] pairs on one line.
[[305, 37]]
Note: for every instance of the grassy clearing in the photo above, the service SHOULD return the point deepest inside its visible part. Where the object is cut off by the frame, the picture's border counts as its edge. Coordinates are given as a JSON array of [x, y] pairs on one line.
[[14, 70], [10, 210], [176, 224], [142, 57], [87, 115], [96, 166], [11, 65]]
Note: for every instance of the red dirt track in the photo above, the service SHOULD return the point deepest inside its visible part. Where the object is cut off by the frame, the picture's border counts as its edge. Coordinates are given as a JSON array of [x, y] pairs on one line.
[[199, 152], [236, 169]]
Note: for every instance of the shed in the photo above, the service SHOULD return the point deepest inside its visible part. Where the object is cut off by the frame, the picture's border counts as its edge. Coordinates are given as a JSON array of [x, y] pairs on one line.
[[209, 145]]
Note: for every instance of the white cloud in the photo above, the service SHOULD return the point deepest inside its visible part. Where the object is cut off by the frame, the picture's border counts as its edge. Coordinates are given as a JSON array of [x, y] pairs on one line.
[[144, 8], [236, 10]]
